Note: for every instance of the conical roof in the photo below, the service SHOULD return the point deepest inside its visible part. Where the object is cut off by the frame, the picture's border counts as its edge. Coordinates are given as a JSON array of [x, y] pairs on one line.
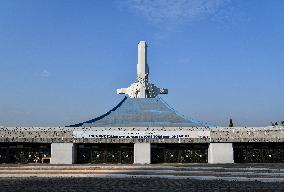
[[142, 107], [148, 112]]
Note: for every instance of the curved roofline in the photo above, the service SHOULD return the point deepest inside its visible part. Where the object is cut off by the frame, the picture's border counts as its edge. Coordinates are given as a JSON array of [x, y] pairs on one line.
[[101, 116], [149, 123]]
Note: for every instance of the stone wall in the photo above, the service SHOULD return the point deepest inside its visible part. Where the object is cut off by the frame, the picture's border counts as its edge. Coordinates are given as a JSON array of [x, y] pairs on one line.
[[141, 134], [247, 134]]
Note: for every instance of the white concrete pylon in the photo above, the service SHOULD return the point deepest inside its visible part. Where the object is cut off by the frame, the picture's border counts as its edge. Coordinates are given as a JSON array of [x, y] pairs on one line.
[[220, 153], [142, 66], [142, 88]]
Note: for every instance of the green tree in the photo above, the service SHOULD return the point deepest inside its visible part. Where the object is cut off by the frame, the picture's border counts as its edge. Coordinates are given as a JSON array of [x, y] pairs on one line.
[[231, 124]]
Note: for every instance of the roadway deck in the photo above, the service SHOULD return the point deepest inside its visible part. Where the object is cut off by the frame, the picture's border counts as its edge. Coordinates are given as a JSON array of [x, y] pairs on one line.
[[175, 177]]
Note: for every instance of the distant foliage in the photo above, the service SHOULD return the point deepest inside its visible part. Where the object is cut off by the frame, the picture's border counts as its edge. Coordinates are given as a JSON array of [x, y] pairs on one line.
[[278, 123], [231, 124]]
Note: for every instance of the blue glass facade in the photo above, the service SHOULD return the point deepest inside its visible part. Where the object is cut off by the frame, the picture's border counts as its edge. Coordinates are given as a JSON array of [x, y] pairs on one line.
[[148, 112]]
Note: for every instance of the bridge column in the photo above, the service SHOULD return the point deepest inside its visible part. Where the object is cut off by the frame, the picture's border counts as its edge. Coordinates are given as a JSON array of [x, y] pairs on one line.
[[63, 153], [220, 153], [142, 153]]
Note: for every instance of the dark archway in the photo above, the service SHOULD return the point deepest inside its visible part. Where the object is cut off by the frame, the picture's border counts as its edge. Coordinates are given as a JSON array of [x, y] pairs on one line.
[[179, 153], [105, 153], [258, 152], [25, 152]]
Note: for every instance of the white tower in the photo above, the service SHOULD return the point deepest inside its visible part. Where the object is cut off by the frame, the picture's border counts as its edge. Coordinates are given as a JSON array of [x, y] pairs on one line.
[[142, 88]]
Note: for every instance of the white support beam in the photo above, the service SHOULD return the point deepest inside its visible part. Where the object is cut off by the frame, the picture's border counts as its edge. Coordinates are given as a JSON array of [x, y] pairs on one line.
[[142, 153], [220, 153], [63, 153]]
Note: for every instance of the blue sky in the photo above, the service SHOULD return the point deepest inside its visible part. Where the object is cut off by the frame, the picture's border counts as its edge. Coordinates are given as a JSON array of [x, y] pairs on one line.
[[62, 61]]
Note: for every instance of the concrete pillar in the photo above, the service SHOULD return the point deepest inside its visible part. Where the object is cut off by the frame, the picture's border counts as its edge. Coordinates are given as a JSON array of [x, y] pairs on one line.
[[220, 153], [142, 153], [63, 153]]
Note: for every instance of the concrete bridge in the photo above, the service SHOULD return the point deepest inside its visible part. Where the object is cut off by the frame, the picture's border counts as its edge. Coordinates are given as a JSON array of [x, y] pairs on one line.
[[141, 145]]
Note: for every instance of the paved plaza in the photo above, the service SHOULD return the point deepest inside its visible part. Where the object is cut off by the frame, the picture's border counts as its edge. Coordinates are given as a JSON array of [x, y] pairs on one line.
[[179, 177], [131, 184]]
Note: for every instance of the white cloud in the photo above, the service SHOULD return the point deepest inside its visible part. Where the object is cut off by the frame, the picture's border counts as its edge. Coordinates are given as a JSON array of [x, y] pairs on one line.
[[44, 73], [174, 11]]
